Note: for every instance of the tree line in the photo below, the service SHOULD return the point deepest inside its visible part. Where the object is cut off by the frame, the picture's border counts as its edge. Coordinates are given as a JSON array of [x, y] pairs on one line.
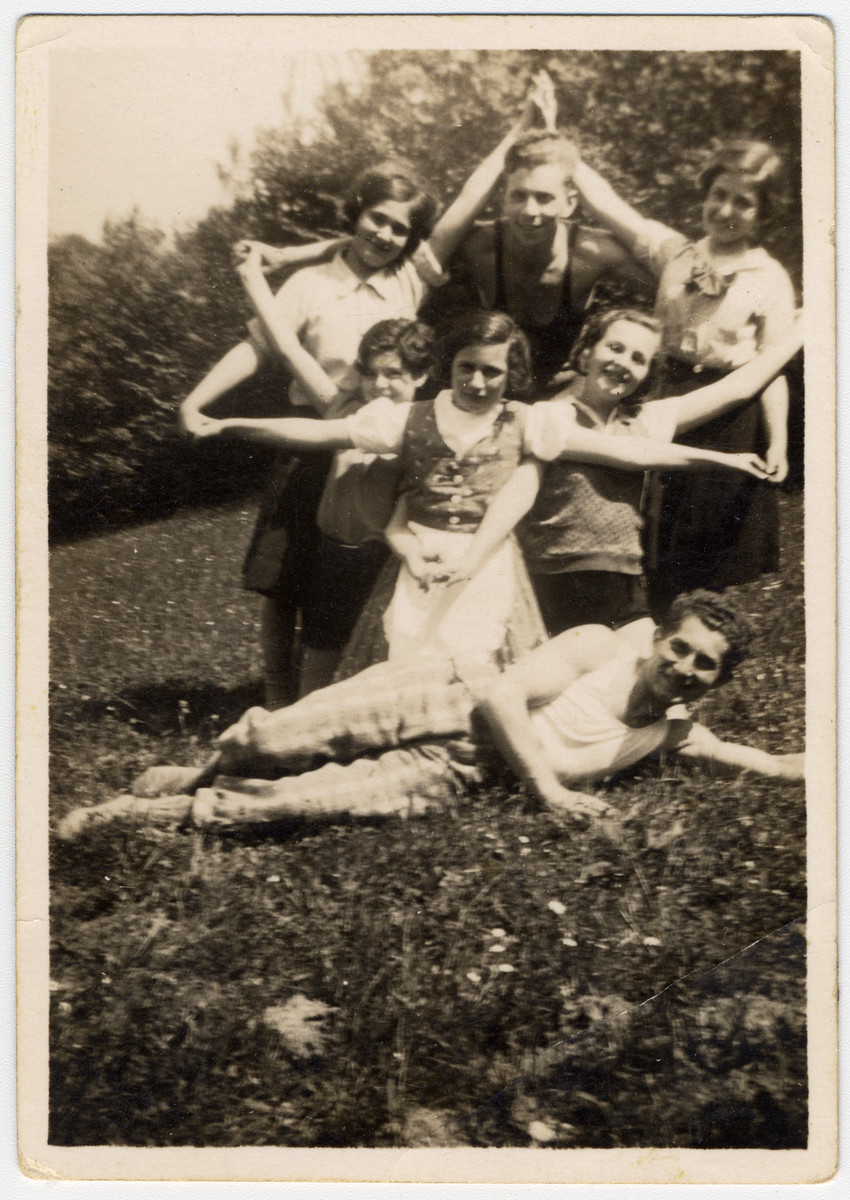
[[136, 320]]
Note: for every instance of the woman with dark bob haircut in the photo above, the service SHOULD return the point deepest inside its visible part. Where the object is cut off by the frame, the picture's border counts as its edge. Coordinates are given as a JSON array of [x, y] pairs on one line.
[[486, 329], [393, 180]]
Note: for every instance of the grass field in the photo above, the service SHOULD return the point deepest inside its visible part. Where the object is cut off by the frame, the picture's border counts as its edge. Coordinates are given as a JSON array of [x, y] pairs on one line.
[[483, 977]]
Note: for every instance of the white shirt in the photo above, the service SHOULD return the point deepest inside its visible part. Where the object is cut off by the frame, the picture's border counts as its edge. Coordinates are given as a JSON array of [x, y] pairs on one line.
[[330, 308], [723, 331]]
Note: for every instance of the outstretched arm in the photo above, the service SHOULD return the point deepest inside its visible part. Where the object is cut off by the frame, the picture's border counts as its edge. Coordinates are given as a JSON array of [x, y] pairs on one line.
[[238, 364], [687, 412], [650, 454], [699, 742], [282, 336], [296, 433], [457, 220]]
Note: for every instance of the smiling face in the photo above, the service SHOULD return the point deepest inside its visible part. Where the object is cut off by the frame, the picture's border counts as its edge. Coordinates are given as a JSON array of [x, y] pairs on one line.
[[535, 199], [619, 362], [730, 211], [685, 663], [387, 378], [380, 236], [479, 376]]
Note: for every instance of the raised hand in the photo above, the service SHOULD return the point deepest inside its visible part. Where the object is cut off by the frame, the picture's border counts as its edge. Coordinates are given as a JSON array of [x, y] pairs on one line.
[[251, 261], [258, 252], [540, 105]]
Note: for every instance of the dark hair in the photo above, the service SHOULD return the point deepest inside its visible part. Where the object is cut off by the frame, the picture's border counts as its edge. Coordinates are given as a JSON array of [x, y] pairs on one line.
[[538, 148], [758, 161], [393, 180], [594, 330], [412, 341], [485, 329], [718, 612]]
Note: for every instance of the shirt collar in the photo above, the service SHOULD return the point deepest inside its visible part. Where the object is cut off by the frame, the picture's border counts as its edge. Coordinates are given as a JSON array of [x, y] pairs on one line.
[[345, 281], [751, 259]]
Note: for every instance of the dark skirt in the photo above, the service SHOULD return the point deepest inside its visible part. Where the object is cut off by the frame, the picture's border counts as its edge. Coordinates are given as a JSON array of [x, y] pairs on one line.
[[710, 528], [280, 561]]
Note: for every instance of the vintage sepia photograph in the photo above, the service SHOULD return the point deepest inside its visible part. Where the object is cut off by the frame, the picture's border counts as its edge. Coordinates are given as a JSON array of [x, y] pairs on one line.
[[426, 532]]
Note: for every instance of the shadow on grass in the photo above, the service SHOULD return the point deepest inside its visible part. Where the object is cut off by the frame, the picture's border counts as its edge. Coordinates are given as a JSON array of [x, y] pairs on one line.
[[172, 706]]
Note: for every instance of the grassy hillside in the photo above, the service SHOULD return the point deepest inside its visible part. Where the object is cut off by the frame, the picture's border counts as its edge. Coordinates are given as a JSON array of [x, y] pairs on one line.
[[481, 977]]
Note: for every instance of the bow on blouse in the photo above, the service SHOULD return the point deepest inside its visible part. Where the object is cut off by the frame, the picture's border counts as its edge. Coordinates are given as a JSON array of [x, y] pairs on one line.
[[709, 282]]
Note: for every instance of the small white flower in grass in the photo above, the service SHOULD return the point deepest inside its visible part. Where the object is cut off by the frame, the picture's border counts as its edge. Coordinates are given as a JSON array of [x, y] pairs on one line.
[[557, 907], [498, 933], [525, 850], [749, 866], [524, 840], [273, 879], [473, 976], [498, 948], [506, 968], [568, 941], [651, 941]]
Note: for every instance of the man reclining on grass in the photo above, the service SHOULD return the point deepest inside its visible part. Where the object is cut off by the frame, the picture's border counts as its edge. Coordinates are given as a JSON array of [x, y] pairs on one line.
[[411, 736]]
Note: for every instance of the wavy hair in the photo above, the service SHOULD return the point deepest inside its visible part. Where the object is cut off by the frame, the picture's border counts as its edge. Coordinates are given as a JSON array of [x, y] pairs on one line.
[[412, 341], [394, 179], [718, 612]]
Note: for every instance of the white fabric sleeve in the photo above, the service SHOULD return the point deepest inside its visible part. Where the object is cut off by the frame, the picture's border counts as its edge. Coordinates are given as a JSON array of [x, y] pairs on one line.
[[778, 306], [379, 427], [547, 428]]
